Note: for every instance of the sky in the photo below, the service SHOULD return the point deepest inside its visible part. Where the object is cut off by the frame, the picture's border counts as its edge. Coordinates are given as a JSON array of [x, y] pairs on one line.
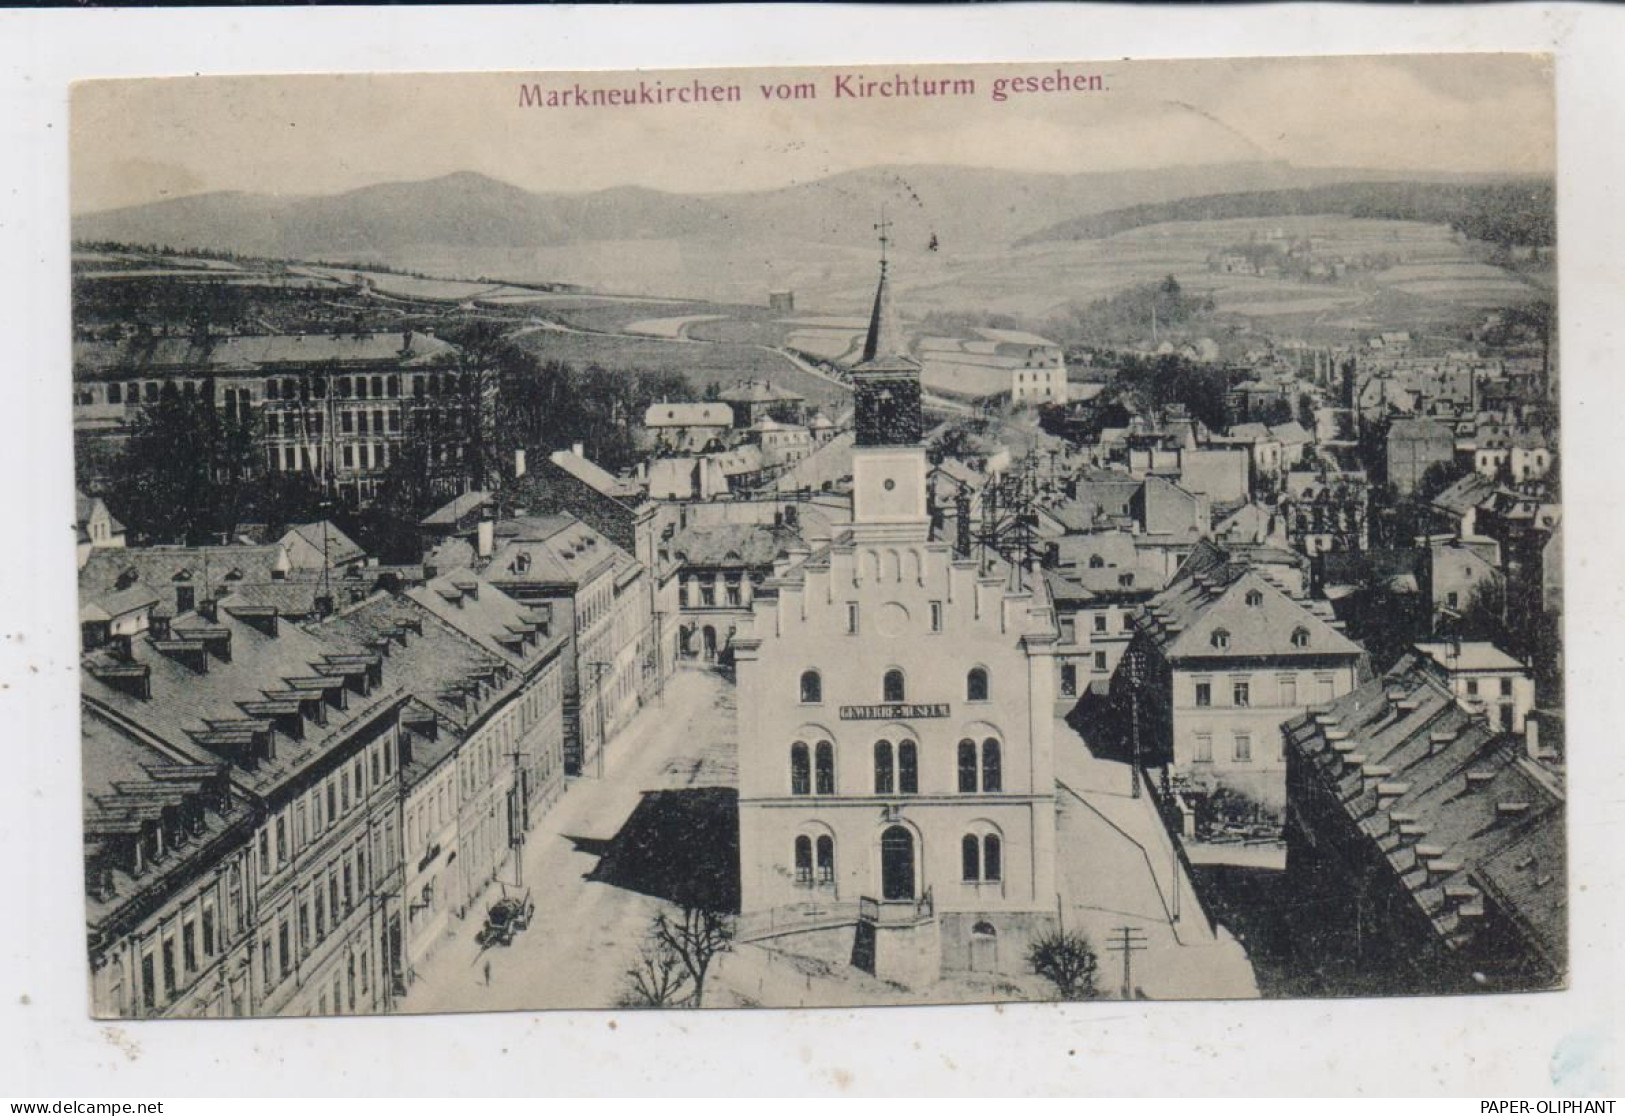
[[153, 139]]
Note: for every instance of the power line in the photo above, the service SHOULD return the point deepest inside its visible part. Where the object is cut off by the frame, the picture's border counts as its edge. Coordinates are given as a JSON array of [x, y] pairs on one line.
[[1128, 941]]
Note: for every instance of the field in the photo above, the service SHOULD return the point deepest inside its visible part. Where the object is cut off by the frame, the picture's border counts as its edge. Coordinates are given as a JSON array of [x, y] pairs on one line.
[[702, 363]]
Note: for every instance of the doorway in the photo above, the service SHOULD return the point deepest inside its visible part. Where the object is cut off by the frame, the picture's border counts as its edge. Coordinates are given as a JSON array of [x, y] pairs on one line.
[[896, 864]]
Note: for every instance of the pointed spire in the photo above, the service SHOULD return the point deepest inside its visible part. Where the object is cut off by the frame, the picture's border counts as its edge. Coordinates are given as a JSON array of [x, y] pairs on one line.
[[885, 342]]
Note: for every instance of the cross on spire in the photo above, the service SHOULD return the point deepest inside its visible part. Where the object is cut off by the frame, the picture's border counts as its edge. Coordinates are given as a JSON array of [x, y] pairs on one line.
[[884, 228]]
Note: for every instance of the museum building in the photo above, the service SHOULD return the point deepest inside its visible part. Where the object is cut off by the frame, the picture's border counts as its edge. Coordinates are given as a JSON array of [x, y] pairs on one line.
[[895, 724]]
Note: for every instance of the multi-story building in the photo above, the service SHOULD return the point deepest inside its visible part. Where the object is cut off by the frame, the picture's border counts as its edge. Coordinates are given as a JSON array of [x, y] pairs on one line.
[[482, 741], [724, 567], [1413, 447], [895, 720], [509, 715], [306, 730], [166, 879], [600, 600], [341, 405], [1098, 583], [1225, 655]]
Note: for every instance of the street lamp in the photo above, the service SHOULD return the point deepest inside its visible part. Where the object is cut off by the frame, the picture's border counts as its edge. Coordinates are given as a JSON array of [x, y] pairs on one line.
[[1136, 680]]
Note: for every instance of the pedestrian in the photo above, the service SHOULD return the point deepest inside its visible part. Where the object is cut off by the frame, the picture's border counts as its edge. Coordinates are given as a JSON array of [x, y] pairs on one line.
[[488, 973]]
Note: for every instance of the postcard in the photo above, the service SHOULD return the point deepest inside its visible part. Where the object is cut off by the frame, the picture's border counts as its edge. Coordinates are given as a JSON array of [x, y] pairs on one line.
[[842, 536]]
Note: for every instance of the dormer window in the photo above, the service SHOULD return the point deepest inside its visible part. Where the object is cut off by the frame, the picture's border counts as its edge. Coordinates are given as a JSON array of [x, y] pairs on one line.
[[1300, 637], [1096, 562], [1221, 640], [1254, 598]]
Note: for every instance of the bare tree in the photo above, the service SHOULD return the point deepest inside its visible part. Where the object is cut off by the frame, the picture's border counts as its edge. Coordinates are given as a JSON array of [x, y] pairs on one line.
[[695, 935], [1066, 960], [656, 979]]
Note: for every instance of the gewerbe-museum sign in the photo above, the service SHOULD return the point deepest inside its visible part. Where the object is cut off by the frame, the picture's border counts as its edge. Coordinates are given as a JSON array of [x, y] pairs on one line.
[[892, 712]]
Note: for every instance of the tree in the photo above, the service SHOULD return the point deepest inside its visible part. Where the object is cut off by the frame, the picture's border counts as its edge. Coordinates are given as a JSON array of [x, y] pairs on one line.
[[1306, 411], [184, 475], [695, 936], [1066, 960], [657, 979], [1437, 477]]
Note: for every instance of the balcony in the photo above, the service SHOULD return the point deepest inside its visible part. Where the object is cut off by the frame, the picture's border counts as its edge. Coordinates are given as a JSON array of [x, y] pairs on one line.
[[897, 912]]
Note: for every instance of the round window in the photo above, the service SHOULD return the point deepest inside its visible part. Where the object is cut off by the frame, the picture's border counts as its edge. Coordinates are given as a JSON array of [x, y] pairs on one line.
[[889, 485]]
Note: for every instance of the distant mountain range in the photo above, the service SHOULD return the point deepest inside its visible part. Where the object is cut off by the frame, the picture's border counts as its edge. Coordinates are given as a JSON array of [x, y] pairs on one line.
[[967, 210]]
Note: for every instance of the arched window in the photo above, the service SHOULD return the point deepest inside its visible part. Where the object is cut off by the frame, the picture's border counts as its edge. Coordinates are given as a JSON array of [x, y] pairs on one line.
[[967, 767], [992, 858], [992, 767], [825, 757], [970, 857], [908, 768], [1221, 640], [883, 767], [976, 685], [1096, 562], [804, 861], [800, 769], [826, 859], [1254, 598], [891, 686], [812, 687], [1300, 637]]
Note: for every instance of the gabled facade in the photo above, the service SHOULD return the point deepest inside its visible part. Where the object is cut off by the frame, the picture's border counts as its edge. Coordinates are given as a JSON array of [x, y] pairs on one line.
[[1230, 655], [895, 721]]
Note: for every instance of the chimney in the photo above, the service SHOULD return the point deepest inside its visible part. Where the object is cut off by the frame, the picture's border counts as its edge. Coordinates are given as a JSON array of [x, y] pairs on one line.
[[487, 538], [518, 463], [576, 449], [406, 340]]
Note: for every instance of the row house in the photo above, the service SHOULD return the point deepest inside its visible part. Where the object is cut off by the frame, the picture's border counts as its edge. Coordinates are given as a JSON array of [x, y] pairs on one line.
[[482, 750], [724, 568], [166, 880], [1098, 584], [1425, 846], [602, 603], [306, 730], [342, 405]]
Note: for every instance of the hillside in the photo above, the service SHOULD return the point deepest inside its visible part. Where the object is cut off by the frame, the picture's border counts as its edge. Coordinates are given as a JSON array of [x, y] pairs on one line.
[[1508, 212], [967, 209]]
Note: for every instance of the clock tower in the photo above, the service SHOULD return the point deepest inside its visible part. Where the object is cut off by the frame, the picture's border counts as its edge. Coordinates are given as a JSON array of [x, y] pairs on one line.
[[888, 461]]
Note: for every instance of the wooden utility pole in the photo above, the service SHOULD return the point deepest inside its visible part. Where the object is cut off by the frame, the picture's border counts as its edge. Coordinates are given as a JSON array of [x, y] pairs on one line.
[[1128, 941]]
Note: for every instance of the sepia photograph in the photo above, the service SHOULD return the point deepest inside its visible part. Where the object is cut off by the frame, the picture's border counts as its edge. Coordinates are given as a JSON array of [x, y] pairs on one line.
[[819, 536]]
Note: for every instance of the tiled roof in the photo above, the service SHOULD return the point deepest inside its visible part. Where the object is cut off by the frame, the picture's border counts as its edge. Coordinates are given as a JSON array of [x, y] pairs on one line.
[[1233, 609], [339, 547], [731, 544], [590, 473], [204, 705], [128, 785], [272, 353], [1455, 808], [549, 550], [433, 661], [517, 634], [661, 415], [454, 510], [1471, 655], [758, 391]]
